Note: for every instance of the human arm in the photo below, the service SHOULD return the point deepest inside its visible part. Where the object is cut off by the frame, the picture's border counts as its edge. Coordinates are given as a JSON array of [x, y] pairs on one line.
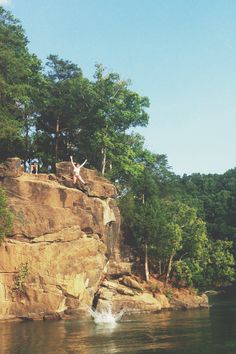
[[71, 159], [83, 163]]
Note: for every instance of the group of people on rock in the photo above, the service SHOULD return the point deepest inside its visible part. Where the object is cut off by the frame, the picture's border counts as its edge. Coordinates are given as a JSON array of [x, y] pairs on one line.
[[33, 168]]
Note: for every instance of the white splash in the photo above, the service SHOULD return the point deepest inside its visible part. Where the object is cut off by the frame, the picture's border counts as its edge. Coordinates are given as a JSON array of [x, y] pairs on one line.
[[105, 316]]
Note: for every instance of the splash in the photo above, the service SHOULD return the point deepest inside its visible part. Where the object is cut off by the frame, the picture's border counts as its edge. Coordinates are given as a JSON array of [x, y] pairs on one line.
[[106, 316]]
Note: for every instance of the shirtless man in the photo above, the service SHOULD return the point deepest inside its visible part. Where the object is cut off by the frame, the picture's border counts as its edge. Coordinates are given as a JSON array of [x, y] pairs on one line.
[[76, 171]]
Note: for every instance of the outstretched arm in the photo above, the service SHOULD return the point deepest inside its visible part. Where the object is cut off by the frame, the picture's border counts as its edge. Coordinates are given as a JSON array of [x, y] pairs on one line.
[[71, 159], [83, 163]]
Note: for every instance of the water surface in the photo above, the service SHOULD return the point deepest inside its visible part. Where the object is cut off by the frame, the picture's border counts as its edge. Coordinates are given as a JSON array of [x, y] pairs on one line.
[[211, 331]]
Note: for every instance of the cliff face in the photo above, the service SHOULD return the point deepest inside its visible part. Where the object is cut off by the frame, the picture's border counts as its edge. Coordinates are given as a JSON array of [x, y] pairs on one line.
[[63, 253], [62, 238]]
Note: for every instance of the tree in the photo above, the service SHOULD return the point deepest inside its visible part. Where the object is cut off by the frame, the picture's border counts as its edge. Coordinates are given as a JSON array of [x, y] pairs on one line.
[[141, 205], [19, 74], [115, 109], [221, 264], [62, 108], [216, 200]]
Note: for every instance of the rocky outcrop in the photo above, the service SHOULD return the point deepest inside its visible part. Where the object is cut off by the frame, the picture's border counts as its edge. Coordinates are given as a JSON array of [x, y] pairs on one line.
[[11, 168], [54, 259], [63, 254], [130, 294]]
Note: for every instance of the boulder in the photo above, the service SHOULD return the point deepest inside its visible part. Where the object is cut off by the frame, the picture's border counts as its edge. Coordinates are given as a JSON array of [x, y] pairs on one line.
[[138, 303], [189, 302], [131, 283], [118, 269], [11, 168], [117, 288]]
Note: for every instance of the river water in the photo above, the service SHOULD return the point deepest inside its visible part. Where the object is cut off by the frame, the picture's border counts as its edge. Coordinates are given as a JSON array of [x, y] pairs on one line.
[[211, 331]]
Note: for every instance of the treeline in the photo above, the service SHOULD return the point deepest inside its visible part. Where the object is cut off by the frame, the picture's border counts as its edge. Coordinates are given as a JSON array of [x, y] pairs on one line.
[[53, 112], [183, 229]]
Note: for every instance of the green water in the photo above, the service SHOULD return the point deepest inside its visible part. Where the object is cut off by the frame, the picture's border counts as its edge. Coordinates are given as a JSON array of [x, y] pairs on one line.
[[195, 331]]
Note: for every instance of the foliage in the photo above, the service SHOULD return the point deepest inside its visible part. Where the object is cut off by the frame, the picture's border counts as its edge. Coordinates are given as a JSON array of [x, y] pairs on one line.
[[168, 293], [217, 196], [19, 86], [23, 272], [114, 109], [179, 245], [6, 217], [221, 264], [216, 269]]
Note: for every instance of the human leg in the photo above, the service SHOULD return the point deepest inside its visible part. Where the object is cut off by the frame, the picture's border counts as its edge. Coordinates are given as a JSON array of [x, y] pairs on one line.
[[81, 179]]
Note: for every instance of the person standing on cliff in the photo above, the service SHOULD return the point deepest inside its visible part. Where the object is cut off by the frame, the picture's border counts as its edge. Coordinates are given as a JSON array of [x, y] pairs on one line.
[[76, 171], [34, 168]]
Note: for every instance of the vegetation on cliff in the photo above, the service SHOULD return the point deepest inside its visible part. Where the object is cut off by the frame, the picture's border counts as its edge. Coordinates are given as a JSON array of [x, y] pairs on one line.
[[6, 216], [184, 229]]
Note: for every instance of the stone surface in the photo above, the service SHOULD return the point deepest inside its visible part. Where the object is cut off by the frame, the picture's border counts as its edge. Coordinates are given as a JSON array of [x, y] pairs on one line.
[[42, 206], [11, 168], [63, 254], [64, 236], [131, 283], [56, 271], [117, 288], [144, 302], [185, 301], [97, 185], [165, 304], [118, 269]]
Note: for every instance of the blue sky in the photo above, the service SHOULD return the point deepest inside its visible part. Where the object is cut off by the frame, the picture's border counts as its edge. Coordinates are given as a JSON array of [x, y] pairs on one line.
[[179, 53]]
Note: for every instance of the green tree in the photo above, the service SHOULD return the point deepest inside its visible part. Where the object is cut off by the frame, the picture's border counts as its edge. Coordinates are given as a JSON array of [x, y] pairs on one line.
[[216, 199], [19, 74], [183, 235], [221, 264], [63, 106], [115, 109], [141, 205]]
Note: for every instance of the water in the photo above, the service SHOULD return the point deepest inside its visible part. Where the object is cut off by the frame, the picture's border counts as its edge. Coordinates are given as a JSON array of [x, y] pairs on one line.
[[211, 331]]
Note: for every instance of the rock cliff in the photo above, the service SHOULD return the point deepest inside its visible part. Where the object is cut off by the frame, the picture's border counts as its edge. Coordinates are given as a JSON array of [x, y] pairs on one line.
[[62, 238], [63, 254]]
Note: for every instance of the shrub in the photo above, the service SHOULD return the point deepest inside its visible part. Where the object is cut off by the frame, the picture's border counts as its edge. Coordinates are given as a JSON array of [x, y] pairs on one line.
[[23, 272], [6, 216]]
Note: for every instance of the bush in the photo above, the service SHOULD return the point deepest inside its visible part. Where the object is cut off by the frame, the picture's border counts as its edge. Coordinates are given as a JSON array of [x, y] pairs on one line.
[[23, 272], [6, 216]]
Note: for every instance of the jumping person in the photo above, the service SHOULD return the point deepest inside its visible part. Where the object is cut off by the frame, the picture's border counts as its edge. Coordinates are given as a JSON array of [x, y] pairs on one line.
[[76, 171]]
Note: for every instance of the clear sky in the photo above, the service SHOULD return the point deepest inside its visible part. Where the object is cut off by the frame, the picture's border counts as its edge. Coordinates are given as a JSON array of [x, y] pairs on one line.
[[179, 53]]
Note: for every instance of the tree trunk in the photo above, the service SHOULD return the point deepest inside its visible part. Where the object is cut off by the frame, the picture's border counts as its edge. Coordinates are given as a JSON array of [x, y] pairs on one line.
[[26, 155], [169, 269], [104, 158], [57, 138], [146, 263], [160, 267]]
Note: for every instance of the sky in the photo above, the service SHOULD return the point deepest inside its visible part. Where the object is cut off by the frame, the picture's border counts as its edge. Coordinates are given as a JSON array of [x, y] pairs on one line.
[[179, 53]]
